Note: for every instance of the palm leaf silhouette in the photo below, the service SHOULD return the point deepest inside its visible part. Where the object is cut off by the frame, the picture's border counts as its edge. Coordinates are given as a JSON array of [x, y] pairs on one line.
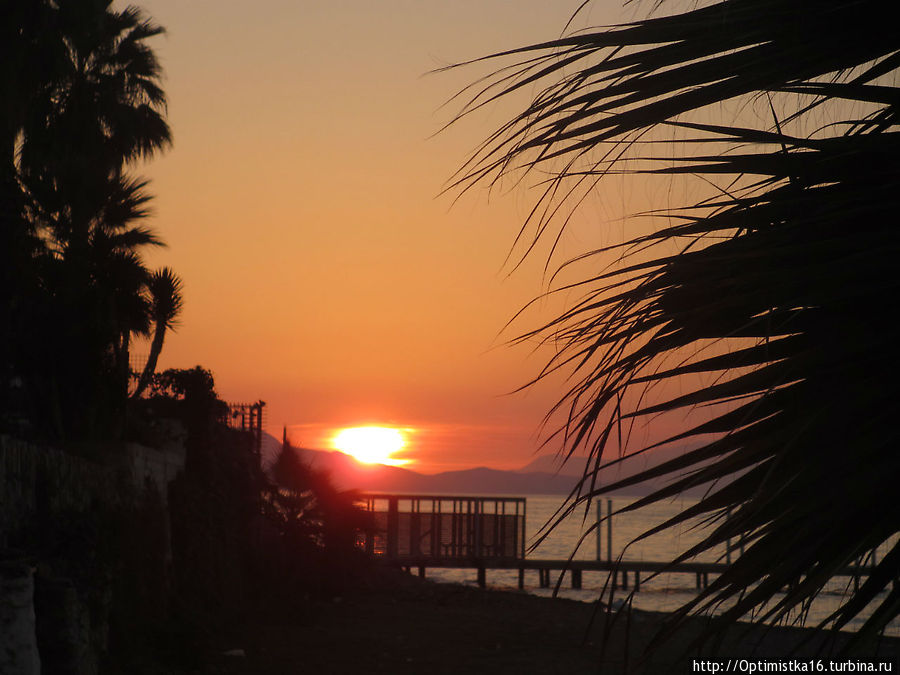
[[775, 285]]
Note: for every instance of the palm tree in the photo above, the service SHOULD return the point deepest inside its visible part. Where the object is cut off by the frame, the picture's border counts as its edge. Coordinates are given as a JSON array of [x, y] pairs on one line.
[[102, 294], [25, 65], [166, 302], [104, 108], [775, 285], [87, 104]]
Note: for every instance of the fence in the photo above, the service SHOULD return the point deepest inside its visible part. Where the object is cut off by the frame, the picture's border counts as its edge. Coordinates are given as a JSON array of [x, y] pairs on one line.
[[444, 528], [248, 417]]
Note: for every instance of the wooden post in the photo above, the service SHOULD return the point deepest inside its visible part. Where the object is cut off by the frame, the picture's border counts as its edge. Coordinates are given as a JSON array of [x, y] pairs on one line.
[[501, 532], [698, 581], [599, 529], [436, 534], [479, 528], [471, 525], [609, 530], [498, 529], [393, 528], [421, 571], [451, 547], [522, 526], [415, 534], [637, 581], [576, 578], [521, 578], [482, 577]]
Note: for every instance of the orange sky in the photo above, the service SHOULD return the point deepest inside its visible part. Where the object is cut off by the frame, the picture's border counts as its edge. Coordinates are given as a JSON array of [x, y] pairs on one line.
[[323, 273]]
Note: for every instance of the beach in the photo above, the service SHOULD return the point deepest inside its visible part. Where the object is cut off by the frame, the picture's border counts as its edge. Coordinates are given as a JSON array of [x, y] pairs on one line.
[[413, 626]]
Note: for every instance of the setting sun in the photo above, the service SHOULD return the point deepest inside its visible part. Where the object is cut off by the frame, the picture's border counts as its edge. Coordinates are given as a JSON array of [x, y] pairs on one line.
[[371, 444]]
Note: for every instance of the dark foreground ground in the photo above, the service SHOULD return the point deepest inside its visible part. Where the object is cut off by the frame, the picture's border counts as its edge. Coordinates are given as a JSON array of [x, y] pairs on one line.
[[423, 628]]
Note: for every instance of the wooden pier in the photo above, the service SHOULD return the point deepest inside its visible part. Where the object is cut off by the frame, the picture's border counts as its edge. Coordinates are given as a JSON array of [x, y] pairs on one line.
[[575, 569], [488, 533], [622, 571], [444, 528]]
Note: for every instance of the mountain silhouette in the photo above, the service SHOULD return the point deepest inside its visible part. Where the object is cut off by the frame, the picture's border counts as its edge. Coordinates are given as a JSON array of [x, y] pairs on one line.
[[542, 475]]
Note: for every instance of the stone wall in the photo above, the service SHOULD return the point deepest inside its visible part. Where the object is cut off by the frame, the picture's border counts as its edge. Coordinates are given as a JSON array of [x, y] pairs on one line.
[[157, 467], [36, 477], [44, 485]]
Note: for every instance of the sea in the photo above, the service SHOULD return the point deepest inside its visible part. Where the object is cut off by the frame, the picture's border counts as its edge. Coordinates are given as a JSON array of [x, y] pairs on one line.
[[662, 593]]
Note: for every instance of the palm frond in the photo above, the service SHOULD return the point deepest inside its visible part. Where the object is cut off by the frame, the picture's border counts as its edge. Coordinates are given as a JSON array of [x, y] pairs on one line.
[[167, 297], [764, 300]]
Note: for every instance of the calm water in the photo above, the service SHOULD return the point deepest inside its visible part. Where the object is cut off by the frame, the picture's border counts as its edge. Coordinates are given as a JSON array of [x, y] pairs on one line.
[[664, 593]]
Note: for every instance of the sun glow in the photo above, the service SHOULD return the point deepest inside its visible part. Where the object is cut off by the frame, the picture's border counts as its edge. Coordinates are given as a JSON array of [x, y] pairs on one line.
[[371, 444]]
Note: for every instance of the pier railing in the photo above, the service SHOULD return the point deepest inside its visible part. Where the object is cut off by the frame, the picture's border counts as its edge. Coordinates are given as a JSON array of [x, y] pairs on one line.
[[488, 533], [443, 529]]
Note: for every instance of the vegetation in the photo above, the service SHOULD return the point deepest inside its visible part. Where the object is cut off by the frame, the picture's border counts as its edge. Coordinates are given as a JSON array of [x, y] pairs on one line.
[[82, 104], [185, 394], [247, 541], [316, 526], [766, 297]]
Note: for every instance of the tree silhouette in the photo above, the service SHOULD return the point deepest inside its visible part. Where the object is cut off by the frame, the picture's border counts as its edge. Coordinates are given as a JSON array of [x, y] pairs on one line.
[[317, 525], [101, 106], [83, 101], [774, 285], [166, 301]]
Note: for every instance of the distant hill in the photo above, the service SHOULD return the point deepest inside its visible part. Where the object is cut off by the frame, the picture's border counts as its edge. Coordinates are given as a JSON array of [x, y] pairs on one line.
[[575, 466], [552, 465], [539, 476], [347, 473]]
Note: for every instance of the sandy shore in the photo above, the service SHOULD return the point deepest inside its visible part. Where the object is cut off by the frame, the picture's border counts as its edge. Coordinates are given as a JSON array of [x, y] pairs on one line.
[[422, 628]]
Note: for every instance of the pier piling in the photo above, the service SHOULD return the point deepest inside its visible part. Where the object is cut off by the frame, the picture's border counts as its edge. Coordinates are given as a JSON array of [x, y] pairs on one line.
[[576, 578], [609, 530]]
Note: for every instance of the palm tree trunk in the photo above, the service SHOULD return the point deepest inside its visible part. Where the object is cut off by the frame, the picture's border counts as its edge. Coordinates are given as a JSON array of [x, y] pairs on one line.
[[159, 335]]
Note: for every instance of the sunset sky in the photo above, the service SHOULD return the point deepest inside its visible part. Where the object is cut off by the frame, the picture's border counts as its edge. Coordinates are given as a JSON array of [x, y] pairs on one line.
[[323, 271]]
